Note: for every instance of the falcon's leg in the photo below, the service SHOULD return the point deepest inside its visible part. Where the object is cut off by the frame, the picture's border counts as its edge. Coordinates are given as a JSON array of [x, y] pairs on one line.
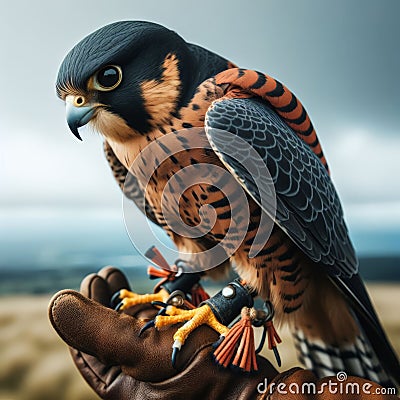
[[202, 315], [216, 312], [173, 280]]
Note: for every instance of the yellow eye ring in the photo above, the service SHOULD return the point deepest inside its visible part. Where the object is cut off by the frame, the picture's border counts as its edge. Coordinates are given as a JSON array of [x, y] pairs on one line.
[[107, 78], [79, 101]]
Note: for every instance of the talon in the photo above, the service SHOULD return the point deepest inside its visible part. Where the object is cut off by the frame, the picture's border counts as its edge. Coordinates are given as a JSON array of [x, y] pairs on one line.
[[114, 298], [152, 323], [159, 303], [148, 325], [175, 349], [119, 306]]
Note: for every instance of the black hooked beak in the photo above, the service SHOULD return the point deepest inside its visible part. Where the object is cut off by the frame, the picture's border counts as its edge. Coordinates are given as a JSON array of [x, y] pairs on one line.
[[78, 116]]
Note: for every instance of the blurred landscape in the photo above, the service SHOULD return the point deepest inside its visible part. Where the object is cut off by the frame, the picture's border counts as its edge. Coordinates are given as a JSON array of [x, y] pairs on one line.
[[43, 252], [36, 365]]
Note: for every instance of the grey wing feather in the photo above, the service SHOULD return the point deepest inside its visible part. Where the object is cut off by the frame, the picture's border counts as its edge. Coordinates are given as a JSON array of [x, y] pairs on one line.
[[308, 208]]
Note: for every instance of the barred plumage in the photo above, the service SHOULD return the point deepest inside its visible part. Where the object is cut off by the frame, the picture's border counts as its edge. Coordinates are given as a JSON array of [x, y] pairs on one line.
[[180, 100]]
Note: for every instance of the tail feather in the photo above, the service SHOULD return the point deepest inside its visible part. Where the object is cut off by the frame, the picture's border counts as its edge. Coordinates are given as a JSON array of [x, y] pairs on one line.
[[357, 359], [374, 340]]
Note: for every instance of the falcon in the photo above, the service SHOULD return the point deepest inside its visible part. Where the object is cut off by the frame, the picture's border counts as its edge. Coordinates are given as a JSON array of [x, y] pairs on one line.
[[141, 86]]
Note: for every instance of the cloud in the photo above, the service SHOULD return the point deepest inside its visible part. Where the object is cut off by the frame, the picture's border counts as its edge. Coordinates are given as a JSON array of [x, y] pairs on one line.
[[55, 171], [61, 172], [384, 216], [341, 70], [364, 165]]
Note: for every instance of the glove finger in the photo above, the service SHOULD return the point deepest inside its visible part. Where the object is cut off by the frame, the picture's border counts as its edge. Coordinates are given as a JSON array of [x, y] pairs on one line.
[[99, 376], [93, 329], [113, 337], [95, 287], [115, 279]]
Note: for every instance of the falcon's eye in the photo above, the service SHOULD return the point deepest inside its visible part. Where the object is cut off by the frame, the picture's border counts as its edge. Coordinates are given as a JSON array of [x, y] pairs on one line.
[[108, 78]]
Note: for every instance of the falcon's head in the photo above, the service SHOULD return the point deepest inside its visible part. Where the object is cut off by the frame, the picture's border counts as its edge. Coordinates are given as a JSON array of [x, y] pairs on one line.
[[126, 78]]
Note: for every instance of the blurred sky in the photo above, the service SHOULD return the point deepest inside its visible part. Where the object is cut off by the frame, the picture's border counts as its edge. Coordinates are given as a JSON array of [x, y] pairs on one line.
[[341, 58]]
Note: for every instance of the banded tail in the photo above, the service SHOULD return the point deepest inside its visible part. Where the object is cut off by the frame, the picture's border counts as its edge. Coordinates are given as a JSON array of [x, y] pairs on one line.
[[369, 356], [358, 359]]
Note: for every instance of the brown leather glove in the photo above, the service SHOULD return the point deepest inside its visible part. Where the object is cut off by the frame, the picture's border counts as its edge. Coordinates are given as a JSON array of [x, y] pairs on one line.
[[119, 365]]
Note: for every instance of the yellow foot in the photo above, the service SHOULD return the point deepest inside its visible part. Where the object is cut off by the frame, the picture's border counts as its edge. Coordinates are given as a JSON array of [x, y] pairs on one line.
[[130, 299], [196, 317]]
